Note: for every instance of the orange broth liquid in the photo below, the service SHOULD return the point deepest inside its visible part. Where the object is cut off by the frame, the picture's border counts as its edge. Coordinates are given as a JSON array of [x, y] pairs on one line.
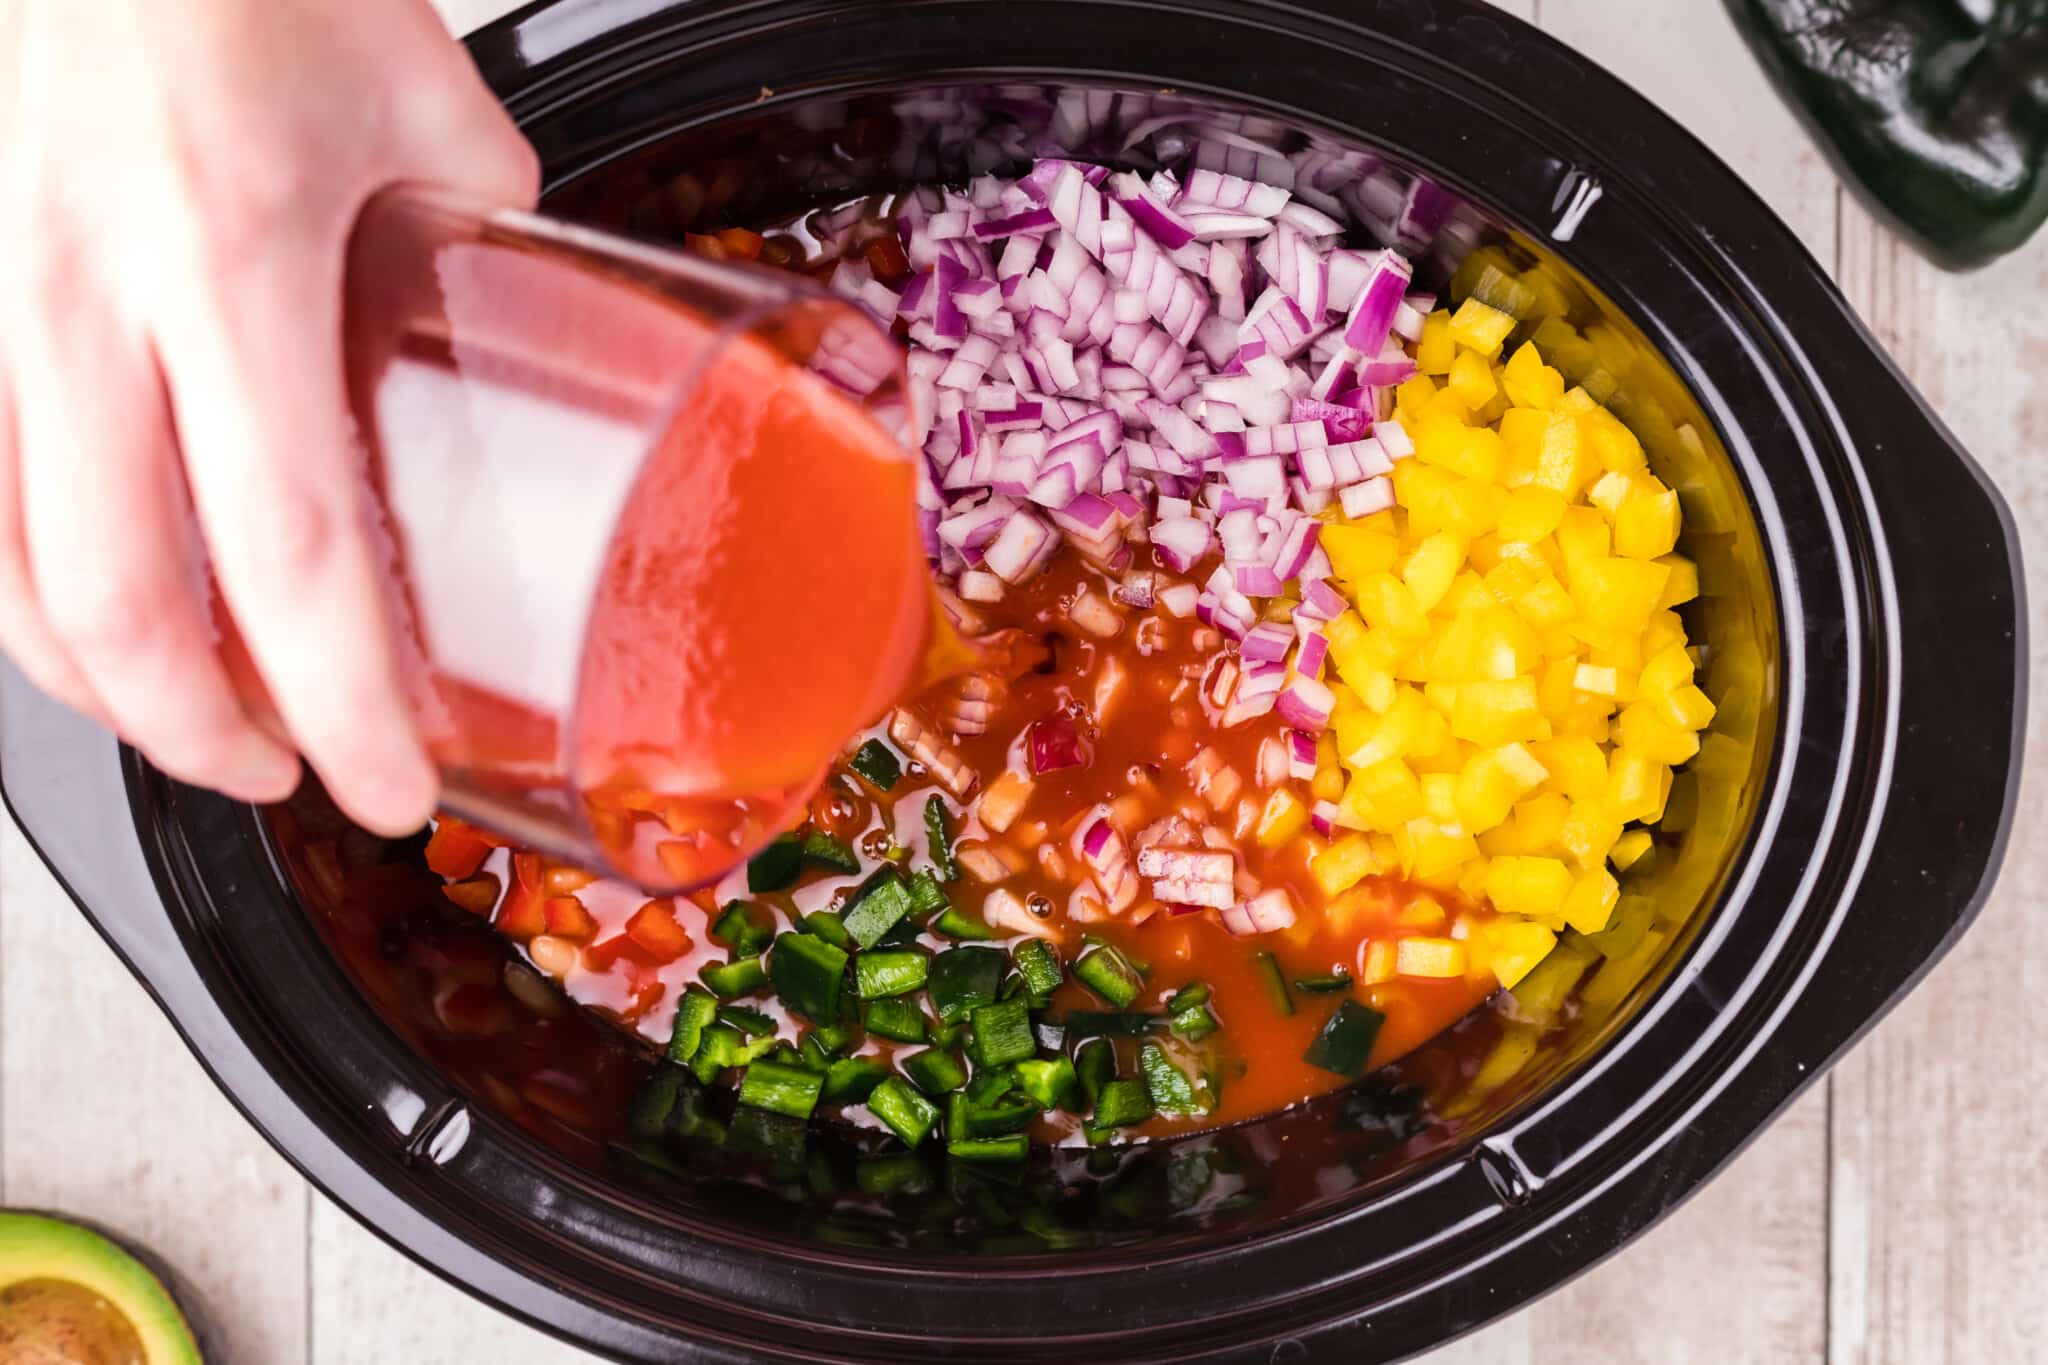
[[788, 621], [1142, 736]]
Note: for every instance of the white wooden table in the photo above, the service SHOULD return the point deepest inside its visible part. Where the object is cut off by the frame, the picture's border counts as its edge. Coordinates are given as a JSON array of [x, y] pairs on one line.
[[1895, 1215]]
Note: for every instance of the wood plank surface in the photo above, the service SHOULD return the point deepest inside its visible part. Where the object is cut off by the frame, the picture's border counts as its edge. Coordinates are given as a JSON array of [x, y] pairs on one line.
[[1893, 1217], [1939, 1242], [106, 1116]]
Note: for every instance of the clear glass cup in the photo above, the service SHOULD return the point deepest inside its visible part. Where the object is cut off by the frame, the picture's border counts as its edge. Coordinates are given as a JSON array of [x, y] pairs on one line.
[[552, 416]]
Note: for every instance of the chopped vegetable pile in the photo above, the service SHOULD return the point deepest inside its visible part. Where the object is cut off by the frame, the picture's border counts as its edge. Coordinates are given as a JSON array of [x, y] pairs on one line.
[[1327, 653]]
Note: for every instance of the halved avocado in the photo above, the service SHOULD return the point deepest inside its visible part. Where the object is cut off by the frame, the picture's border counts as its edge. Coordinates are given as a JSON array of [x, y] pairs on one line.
[[69, 1296]]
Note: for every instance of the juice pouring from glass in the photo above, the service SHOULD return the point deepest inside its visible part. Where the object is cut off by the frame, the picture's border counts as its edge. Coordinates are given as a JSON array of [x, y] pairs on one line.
[[654, 530]]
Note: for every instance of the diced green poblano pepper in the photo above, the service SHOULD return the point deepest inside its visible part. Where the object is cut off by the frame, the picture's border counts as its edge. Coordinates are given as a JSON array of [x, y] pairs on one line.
[[1002, 1033], [882, 902], [1109, 974], [694, 1012], [1039, 965], [808, 973], [878, 763], [744, 928], [781, 1089], [909, 1115]]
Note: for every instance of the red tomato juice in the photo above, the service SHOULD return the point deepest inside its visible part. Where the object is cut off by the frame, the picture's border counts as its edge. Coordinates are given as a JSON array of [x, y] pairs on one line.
[[655, 570]]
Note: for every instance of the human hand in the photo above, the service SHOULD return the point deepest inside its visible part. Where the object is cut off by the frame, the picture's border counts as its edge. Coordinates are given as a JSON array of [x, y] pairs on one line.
[[183, 176]]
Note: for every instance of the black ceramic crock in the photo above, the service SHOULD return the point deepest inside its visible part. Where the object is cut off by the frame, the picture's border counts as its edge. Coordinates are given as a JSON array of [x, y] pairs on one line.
[[1875, 573]]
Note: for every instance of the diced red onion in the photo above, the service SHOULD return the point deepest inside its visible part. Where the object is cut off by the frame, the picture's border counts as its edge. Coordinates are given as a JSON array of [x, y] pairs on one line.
[[1179, 599], [1301, 755], [1393, 439], [1322, 817], [1305, 703], [1271, 910], [1315, 648], [1364, 499], [979, 586]]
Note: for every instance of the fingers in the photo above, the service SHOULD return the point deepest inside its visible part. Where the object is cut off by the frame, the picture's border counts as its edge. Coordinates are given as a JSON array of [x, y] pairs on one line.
[[24, 635], [279, 483], [115, 564]]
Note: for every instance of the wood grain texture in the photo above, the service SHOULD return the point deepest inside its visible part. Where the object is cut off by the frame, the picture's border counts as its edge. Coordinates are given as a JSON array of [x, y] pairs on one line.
[[104, 1115], [1938, 1241]]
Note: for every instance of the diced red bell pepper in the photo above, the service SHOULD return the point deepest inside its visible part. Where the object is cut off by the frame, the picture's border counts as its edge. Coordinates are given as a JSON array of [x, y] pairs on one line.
[[566, 918], [602, 957], [740, 243], [476, 894], [1055, 743], [655, 928], [886, 258], [564, 880], [708, 247], [647, 993], [456, 850], [523, 913]]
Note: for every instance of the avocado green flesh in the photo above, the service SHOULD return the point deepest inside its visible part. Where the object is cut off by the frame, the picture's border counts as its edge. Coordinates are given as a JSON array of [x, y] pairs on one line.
[[69, 1296]]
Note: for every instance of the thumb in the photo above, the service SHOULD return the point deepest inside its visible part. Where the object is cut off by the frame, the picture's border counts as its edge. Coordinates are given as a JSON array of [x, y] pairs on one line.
[[454, 133]]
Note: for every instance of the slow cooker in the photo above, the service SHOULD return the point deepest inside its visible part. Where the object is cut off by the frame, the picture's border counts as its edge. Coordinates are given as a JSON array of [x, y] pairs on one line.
[[1861, 601]]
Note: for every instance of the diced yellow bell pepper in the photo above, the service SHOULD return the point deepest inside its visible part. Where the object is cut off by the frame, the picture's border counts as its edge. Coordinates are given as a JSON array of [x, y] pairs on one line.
[[1664, 672], [1629, 849], [1582, 538], [1495, 713], [1485, 793], [1357, 553], [1472, 380], [1470, 507], [1377, 966], [1529, 382], [1386, 795], [1590, 831], [1411, 399], [1425, 913], [1396, 733], [1577, 767], [1437, 349], [1431, 854], [1646, 526], [1532, 827], [1510, 577], [1480, 328], [1430, 957], [1686, 707], [1642, 729], [1664, 630], [1635, 789], [1684, 584], [1343, 864], [1468, 593], [1431, 568], [1440, 798], [1547, 603], [1591, 902], [1560, 466], [1614, 446], [1522, 430], [1534, 888], [1284, 817], [1597, 680], [1531, 513], [1618, 592], [1516, 948], [1386, 603]]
